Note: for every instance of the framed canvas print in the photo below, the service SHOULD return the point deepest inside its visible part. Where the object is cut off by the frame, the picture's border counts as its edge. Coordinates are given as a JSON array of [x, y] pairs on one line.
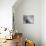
[[28, 19]]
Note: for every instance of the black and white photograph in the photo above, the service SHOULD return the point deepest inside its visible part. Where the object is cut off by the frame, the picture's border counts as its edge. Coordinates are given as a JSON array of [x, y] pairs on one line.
[[28, 19]]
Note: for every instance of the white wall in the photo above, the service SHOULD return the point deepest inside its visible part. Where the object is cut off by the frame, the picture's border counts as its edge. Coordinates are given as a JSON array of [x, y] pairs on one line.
[[6, 13], [43, 22], [31, 31]]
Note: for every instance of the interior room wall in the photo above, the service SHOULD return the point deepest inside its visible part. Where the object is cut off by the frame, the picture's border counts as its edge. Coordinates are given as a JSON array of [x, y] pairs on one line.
[[30, 31], [43, 22]]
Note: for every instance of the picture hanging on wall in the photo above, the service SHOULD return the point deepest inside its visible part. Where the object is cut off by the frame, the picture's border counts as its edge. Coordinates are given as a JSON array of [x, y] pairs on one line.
[[28, 19]]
